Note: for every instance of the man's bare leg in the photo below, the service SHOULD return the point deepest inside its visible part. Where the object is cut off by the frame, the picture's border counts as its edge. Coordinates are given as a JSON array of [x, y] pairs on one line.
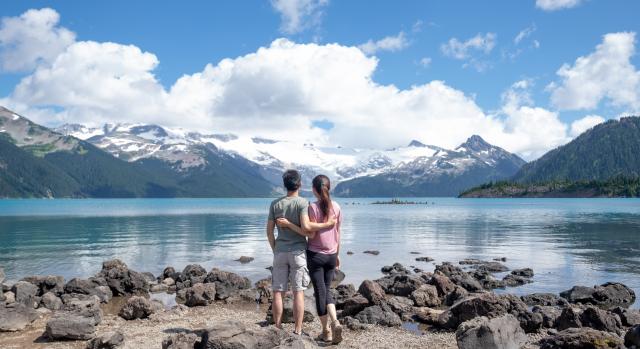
[[277, 308], [298, 309]]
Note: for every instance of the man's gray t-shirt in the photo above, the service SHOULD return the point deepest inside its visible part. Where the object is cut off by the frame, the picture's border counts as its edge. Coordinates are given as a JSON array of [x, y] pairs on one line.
[[289, 207]]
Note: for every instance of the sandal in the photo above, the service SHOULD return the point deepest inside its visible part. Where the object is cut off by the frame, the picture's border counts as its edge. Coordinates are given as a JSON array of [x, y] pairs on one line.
[[325, 336], [336, 328]]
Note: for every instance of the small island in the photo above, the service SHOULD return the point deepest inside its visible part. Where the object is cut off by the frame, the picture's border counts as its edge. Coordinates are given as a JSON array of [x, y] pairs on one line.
[[396, 201]]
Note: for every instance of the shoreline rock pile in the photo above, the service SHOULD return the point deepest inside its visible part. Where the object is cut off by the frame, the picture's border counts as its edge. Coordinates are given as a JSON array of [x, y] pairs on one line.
[[454, 298]]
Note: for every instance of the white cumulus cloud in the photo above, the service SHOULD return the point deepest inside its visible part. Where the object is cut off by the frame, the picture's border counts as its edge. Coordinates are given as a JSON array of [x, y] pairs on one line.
[[605, 74], [30, 38], [554, 5], [587, 122], [298, 15], [390, 43]]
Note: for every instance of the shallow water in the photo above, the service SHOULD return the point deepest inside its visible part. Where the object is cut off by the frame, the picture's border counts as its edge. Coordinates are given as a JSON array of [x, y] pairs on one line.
[[565, 241]]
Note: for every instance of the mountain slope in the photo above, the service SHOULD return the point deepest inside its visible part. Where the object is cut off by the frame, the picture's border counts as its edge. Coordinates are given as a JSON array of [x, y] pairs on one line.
[[445, 173], [605, 151]]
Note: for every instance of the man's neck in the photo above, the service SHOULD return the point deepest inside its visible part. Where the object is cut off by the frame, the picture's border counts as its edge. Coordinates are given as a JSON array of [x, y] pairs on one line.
[[292, 193]]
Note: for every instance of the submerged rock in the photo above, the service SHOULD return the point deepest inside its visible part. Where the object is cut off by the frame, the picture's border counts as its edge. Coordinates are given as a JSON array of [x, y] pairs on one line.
[[245, 259], [396, 268], [424, 259], [502, 332], [372, 252]]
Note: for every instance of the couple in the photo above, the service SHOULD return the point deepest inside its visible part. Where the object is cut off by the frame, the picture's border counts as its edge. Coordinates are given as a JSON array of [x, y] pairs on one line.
[[298, 220]]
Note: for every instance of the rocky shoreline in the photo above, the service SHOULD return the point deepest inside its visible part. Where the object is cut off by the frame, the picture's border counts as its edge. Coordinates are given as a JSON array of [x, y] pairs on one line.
[[453, 306]]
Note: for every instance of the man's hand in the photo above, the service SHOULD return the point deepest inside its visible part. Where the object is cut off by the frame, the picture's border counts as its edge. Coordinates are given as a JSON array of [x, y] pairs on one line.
[[283, 222]]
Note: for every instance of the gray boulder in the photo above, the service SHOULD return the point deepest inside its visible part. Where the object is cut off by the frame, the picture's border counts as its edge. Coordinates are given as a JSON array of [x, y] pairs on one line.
[[582, 338], [629, 317], [109, 340], [459, 293], [341, 293], [606, 296], [9, 297], [379, 315], [512, 280], [401, 305], [48, 283], [425, 296], [245, 259], [16, 317], [181, 340], [26, 293], [443, 284], [550, 314], [77, 321], [569, 318], [92, 287], [372, 291], [459, 277], [602, 320], [200, 294], [400, 284], [524, 272], [396, 268], [543, 299], [136, 307], [503, 332], [234, 335], [51, 301], [632, 337], [287, 313], [194, 273], [227, 283], [121, 280], [354, 305]]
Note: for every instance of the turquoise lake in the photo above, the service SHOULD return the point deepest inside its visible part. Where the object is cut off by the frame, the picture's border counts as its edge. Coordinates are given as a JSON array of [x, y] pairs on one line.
[[566, 241]]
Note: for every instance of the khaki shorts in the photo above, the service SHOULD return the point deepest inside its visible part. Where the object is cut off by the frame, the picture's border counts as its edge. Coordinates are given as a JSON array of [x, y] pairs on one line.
[[290, 267]]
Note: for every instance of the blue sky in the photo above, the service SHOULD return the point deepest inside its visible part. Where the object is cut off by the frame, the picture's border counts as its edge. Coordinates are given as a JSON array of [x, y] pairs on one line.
[[187, 37]]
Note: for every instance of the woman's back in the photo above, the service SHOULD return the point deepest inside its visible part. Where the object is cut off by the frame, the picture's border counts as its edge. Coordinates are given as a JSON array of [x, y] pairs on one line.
[[325, 241]]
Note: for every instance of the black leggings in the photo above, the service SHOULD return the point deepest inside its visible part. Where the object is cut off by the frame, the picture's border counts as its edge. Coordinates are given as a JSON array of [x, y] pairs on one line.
[[321, 269]]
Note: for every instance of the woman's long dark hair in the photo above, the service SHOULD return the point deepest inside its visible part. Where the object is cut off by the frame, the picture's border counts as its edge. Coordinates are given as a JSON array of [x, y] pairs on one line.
[[322, 185]]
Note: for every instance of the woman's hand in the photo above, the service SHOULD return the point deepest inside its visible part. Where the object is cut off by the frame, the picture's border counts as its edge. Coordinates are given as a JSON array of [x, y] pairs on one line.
[[283, 222], [337, 262]]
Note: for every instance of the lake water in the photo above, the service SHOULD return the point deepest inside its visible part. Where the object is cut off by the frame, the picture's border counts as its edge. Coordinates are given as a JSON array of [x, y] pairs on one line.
[[566, 241]]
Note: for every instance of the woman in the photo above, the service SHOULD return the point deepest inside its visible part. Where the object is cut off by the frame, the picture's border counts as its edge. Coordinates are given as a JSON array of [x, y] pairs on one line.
[[322, 256]]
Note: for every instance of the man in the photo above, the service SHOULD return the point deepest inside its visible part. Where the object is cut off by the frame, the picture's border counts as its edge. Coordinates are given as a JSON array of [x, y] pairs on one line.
[[289, 257]]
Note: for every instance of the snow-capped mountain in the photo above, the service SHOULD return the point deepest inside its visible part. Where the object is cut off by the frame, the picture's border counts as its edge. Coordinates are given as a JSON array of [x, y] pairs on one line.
[[183, 150]]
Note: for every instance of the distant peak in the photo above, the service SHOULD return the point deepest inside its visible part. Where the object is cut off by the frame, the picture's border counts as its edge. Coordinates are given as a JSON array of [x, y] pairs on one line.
[[417, 144], [476, 143]]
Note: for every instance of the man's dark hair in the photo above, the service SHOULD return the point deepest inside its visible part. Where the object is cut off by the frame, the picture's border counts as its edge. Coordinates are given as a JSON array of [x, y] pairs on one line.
[[291, 180]]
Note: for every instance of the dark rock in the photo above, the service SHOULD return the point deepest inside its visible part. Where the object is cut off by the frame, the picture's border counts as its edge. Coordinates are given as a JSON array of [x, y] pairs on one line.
[[169, 272], [396, 268], [2, 275], [372, 291], [486, 279], [234, 335], [338, 277], [582, 338], [26, 294], [550, 314], [49, 283], [459, 277], [51, 301], [569, 318], [149, 277], [632, 338], [193, 273], [342, 293], [372, 252], [350, 253], [227, 283], [605, 296], [16, 317], [443, 284], [136, 307], [501, 259], [524, 272], [78, 321], [264, 291], [458, 294], [499, 332], [245, 259], [91, 286], [400, 284], [109, 340], [354, 324], [493, 267], [471, 261], [512, 280], [426, 296], [200, 295], [121, 280], [414, 252], [543, 299], [181, 340], [287, 313], [159, 288], [602, 320], [379, 315], [424, 259], [629, 317], [354, 305], [417, 270], [400, 305]]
